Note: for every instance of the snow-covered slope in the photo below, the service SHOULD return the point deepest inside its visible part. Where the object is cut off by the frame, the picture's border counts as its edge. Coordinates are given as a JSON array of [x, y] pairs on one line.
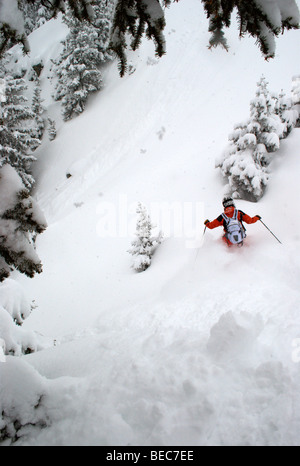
[[201, 349]]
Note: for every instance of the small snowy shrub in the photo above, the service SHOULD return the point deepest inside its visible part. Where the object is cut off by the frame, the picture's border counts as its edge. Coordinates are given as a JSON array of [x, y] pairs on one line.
[[14, 309], [17, 341], [142, 248], [22, 393], [21, 387], [13, 299]]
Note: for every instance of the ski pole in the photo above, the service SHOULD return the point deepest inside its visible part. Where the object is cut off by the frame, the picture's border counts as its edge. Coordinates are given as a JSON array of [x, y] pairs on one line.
[[270, 231], [203, 234], [199, 247]]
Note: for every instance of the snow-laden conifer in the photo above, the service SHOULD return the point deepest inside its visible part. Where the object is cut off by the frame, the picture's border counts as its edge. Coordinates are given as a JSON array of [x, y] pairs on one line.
[[102, 23], [143, 246], [242, 165], [51, 129], [78, 68], [19, 138], [264, 123], [287, 112], [20, 221], [38, 111], [35, 14], [251, 145]]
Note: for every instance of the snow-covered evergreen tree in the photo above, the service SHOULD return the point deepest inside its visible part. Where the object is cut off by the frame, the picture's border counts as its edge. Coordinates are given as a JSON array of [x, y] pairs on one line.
[[102, 22], [17, 129], [296, 90], [264, 123], [38, 111], [20, 220], [78, 68], [288, 114], [51, 129], [43, 14], [142, 248], [35, 14], [29, 14], [241, 163], [252, 143]]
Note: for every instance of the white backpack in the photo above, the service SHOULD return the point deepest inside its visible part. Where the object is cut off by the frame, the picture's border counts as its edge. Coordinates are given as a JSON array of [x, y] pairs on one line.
[[235, 231]]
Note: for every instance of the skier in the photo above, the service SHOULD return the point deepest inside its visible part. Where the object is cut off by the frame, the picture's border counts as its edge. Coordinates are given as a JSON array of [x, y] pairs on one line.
[[232, 221]]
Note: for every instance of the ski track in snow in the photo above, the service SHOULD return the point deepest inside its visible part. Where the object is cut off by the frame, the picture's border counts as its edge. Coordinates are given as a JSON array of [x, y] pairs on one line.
[[189, 352]]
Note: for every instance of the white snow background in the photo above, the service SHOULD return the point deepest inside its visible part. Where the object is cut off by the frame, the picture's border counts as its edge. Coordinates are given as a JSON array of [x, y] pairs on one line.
[[204, 347]]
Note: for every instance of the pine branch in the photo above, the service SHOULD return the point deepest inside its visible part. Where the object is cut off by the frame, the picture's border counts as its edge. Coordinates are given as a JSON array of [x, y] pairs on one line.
[[253, 20], [136, 17]]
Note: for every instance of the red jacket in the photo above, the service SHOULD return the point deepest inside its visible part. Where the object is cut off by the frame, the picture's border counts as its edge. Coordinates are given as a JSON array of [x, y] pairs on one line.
[[229, 211]]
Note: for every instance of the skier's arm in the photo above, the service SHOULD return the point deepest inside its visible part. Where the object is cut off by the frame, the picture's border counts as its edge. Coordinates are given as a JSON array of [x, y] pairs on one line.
[[246, 218], [218, 222]]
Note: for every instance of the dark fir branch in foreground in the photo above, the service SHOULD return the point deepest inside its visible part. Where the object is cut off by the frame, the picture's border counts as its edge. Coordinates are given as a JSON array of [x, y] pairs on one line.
[[262, 19]]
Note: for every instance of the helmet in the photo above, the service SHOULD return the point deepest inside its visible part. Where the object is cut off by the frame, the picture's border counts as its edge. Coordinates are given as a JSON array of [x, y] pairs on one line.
[[228, 202]]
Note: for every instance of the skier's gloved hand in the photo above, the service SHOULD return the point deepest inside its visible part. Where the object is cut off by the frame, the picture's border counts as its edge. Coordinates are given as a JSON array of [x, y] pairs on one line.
[[258, 217], [206, 222]]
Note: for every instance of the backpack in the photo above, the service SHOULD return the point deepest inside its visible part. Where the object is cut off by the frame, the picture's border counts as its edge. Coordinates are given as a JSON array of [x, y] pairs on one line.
[[235, 232]]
